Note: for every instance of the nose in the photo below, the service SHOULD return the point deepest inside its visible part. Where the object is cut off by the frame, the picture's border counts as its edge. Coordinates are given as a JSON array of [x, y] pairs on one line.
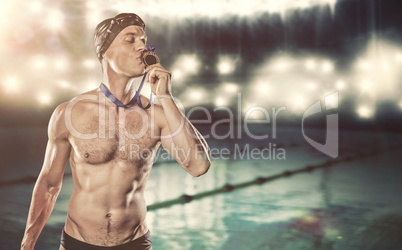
[[141, 45]]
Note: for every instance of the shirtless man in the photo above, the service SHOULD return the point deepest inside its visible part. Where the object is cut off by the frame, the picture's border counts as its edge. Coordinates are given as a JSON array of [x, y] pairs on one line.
[[112, 148]]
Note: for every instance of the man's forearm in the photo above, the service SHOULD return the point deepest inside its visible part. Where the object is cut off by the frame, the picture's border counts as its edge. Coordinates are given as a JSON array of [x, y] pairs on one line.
[[188, 142], [43, 200]]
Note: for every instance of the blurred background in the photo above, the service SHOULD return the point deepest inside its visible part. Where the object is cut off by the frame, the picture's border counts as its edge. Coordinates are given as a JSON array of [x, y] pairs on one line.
[[232, 54]]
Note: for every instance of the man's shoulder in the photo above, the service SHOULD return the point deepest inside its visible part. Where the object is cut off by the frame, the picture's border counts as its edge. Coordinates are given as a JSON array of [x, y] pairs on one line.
[[84, 100], [59, 120], [57, 127]]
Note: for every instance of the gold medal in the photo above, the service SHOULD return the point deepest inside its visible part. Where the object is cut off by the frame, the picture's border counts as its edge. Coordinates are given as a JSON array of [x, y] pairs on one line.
[[149, 57]]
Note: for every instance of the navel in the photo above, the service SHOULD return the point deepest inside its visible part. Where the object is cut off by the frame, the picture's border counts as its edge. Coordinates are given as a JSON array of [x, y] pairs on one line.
[[108, 215], [144, 154]]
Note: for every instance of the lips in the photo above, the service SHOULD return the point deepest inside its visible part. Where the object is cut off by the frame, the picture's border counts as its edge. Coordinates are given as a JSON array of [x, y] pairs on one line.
[[138, 60]]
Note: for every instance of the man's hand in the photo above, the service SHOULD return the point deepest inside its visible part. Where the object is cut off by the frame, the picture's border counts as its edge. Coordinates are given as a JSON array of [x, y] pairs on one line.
[[159, 79]]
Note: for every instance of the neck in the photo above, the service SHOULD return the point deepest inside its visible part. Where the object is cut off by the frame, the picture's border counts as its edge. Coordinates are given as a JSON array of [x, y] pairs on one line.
[[122, 87]]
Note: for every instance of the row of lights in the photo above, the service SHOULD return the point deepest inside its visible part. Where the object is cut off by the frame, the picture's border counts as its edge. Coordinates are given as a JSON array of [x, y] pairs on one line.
[[40, 62], [203, 8], [196, 95], [384, 65], [226, 92], [11, 86], [316, 65], [189, 65], [54, 17]]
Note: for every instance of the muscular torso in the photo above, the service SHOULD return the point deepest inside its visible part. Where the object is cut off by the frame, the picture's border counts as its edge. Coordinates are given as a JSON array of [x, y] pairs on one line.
[[112, 152]]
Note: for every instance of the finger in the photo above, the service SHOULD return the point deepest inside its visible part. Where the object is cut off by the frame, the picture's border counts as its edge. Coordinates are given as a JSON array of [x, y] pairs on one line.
[[150, 67], [157, 73], [159, 70], [154, 75], [151, 76]]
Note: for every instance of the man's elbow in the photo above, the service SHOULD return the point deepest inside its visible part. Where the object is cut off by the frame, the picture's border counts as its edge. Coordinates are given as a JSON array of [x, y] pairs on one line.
[[198, 169], [51, 187]]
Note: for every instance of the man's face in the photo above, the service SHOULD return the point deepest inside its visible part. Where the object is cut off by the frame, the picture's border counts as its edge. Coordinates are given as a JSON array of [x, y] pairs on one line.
[[124, 54]]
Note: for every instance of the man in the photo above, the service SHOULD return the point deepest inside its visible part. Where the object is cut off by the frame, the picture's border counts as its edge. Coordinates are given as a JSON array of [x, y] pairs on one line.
[[111, 142]]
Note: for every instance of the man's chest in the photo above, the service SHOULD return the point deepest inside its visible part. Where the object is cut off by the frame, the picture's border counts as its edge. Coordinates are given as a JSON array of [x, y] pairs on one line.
[[98, 138]]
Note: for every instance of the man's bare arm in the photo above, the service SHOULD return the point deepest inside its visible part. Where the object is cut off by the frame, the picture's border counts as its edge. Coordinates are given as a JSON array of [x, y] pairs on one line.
[[183, 141], [49, 182], [178, 136]]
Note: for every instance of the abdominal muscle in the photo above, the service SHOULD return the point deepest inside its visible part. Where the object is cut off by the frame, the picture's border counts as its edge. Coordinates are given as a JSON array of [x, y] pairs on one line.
[[107, 206]]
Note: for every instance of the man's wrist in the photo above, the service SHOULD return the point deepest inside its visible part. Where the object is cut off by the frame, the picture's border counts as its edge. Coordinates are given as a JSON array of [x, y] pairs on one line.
[[25, 246], [164, 96]]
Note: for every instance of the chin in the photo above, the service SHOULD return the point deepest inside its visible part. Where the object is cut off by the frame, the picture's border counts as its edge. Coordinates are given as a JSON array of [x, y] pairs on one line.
[[140, 69], [137, 72]]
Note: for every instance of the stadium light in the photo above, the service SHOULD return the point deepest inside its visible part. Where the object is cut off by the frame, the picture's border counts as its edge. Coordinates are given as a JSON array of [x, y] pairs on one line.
[[340, 84], [225, 67], [230, 88], [36, 6], [44, 98], [11, 85], [55, 20], [89, 63], [220, 101], [310, 64], [39, 62], [364, 111], [327, 67], [398, 58], [311, 85]]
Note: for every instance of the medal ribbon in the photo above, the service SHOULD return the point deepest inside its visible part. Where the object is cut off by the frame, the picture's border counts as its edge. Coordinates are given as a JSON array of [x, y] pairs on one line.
[[136, 97]]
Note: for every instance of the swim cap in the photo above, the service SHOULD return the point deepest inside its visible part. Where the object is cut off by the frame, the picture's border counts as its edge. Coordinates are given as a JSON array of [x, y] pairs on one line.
[[108, 29]]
